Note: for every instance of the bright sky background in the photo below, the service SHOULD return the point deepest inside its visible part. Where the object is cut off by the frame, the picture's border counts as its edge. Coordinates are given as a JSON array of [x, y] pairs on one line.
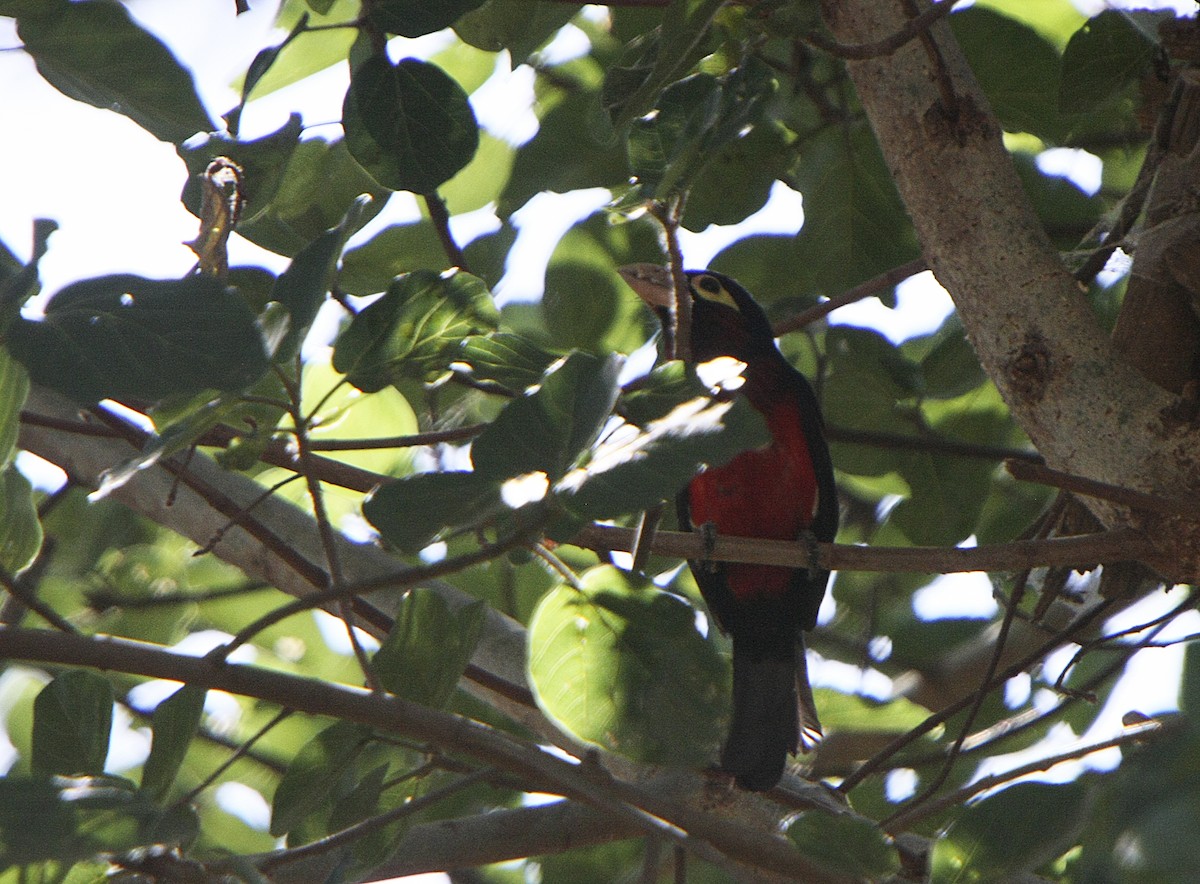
[[114, 191]]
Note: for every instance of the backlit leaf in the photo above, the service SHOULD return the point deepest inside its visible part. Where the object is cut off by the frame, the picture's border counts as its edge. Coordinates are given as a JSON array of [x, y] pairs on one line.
[[96, 53], [619, 663], [20, 529], [414, 329], [72, 718], [428, 648], [174, 724]]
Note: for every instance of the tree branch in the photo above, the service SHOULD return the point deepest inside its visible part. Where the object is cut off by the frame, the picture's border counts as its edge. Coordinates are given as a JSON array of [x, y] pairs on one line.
[[1136, 734], [890, 279], [1088, 412], [912, 29], [208, 497], [648, 808], [1084, 550]]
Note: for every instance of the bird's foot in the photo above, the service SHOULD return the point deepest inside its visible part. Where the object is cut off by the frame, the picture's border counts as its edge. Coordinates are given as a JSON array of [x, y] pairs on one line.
[[708, 536], [812, 547]]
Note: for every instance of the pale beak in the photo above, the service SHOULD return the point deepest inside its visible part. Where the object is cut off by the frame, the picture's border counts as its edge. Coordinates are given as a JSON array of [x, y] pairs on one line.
[[652, 283]]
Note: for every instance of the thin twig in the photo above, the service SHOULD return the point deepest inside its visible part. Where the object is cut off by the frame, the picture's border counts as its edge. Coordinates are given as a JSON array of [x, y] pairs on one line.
[[888, 279], [952, 755], [680, 340], [1137, 500], [1131, 735], [914, 28], [929, 442], [399, 580], [879, 760], [101, 599], [241, 752], [350, 834], [325, 529], [715, 839], [440, 217], [23, 590]]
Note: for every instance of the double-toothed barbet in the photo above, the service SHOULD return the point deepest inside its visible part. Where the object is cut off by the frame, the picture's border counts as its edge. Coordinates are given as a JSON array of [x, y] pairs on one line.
[[783, 491]]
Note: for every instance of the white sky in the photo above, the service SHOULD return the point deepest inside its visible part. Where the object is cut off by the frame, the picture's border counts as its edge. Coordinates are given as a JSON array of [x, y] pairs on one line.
[[114, 191]]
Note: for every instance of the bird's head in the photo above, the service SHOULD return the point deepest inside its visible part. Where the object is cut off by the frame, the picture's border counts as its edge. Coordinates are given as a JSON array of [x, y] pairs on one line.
[[726, 320]]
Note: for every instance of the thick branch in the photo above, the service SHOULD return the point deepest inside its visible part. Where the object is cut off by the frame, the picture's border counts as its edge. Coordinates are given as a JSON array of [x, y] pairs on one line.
[[287, 562], [648, 808], [487, 838]]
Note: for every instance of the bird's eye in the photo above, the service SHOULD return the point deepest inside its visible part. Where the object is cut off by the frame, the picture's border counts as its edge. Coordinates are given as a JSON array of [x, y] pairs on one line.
[[711, 289]]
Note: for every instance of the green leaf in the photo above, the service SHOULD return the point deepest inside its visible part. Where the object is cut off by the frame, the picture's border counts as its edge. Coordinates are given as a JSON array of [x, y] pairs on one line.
[[510, 360], [413, 18], [1019, 70], [20, 528], [392, 252], [314, 773], [694, 119], [736, 180], [54, 835], [1103, 57], [264, 163], [853, 712], [125, 336], [295, 190], [586, 305], [175, 722], [428, 649], [259, 67], [574, 148], [414, 329], [632, 85], [630, 472], [845, 845], [619, 663], [94, 52], [1011, 833], [664, 145], [72, 719], [14, 387], [409, 125], [947, 496], [479, 184], [855, 226], [668, 385], [547, 429], [319, 50], [520, 26], [412, 512], [951, 368], [303, 286]]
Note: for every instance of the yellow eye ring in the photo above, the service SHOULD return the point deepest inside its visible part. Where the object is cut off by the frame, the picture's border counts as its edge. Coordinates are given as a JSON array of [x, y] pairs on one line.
[[710, 288]]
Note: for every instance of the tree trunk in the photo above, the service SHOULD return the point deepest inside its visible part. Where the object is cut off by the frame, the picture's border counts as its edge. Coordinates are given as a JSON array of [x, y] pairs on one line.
[[1087, 410]]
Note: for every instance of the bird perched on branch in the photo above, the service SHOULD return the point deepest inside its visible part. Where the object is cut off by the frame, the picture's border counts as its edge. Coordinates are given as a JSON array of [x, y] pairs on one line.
[[785, 491]]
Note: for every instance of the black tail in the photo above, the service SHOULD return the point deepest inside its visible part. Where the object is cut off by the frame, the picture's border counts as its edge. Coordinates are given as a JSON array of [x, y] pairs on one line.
[[773, 714]]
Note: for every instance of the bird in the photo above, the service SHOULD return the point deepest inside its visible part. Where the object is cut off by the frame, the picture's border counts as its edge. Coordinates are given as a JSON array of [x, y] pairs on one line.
[[784, 490]]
